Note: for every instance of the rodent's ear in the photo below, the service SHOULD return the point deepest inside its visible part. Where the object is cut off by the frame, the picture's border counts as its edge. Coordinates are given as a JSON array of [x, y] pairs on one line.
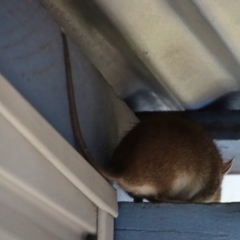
[[226, 166]]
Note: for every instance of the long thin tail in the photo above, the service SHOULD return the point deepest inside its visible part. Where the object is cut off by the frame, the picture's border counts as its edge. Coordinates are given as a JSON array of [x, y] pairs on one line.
[[78, 137]]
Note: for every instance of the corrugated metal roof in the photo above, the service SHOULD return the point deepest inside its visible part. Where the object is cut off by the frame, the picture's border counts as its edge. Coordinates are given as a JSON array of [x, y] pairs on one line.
[[158, 54]]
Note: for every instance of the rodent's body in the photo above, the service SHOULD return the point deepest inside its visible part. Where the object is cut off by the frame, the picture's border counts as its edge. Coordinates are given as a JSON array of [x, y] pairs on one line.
[[169, 158]]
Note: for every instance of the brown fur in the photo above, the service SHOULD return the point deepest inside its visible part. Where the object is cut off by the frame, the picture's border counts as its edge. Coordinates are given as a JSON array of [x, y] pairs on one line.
[[174, 156]]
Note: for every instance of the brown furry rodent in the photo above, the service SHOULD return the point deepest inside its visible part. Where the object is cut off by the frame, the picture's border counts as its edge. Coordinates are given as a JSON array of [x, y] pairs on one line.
[[162, 159], [168, 158]]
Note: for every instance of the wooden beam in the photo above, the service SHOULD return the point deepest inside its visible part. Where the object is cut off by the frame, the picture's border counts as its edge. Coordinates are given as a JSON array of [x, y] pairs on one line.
[[221, 125], [177, 221]]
